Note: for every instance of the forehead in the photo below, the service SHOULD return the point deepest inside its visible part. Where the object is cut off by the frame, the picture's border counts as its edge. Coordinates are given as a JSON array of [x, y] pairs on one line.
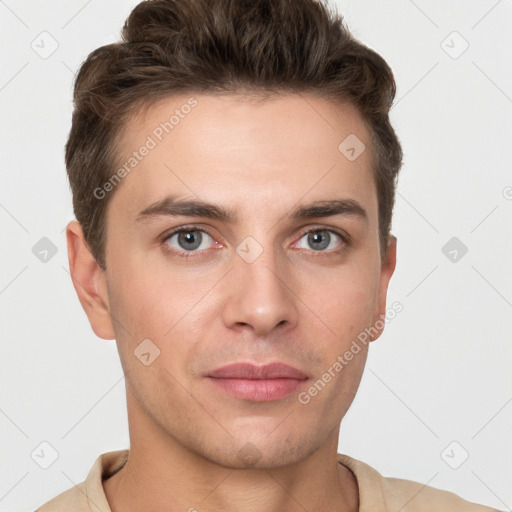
[[234, 150]]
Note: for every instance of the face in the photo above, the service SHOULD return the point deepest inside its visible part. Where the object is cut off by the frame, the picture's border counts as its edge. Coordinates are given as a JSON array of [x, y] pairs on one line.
[[276, 262]]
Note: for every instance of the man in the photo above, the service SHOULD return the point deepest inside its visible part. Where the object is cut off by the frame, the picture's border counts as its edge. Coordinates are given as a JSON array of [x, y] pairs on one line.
[[233, 171]]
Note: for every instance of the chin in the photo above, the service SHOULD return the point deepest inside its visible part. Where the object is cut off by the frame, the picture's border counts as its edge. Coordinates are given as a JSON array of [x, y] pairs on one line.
[[261, 451]]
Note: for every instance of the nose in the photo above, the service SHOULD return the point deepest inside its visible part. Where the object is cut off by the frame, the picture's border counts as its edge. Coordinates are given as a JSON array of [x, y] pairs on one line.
[[261, 296]]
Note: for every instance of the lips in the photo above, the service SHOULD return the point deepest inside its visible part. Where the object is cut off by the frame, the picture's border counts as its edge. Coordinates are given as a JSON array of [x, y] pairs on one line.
[[255, 372], [257, 383]]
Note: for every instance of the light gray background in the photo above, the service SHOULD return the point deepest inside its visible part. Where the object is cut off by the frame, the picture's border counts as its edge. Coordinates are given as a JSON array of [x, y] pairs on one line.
[[440, 372]]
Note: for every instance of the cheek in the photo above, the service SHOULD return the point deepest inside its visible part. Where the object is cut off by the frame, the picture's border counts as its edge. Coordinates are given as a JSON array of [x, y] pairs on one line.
[[145, 308], [342, 303], [163, 307]]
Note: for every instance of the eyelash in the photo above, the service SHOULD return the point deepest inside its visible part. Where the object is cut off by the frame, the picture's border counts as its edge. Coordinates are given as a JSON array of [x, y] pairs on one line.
[[193, 254]]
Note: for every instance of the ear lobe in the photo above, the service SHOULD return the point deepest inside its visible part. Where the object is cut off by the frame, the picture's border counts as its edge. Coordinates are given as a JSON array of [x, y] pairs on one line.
[[387, 270], [89, 281]]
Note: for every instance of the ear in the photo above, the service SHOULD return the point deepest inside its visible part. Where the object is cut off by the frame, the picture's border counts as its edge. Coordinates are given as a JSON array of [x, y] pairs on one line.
[[89, 281], [387, 269]]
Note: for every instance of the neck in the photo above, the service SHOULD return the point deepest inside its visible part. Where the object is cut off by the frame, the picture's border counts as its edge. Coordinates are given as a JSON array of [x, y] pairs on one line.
[[163, 475]]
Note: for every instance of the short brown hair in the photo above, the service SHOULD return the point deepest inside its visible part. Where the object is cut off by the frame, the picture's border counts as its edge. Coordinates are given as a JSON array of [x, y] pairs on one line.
[[222, 46]]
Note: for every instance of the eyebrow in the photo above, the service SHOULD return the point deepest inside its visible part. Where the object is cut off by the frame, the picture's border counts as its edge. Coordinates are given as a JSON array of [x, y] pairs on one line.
[[172, 206]]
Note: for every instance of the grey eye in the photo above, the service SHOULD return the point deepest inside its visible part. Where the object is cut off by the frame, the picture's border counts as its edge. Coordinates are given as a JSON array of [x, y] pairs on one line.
[[319, 240], [189, 240]]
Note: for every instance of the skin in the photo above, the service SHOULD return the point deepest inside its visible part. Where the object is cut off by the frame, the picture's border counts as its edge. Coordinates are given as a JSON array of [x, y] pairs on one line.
[[295, 303]]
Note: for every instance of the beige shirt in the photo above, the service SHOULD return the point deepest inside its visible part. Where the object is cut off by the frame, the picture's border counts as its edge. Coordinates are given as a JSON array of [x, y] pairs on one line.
[[376, 493]]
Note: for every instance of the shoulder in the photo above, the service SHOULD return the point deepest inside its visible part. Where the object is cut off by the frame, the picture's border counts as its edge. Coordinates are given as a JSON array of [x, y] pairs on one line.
[[72, 499], [89, 494], [385, 494], [417, 497]]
